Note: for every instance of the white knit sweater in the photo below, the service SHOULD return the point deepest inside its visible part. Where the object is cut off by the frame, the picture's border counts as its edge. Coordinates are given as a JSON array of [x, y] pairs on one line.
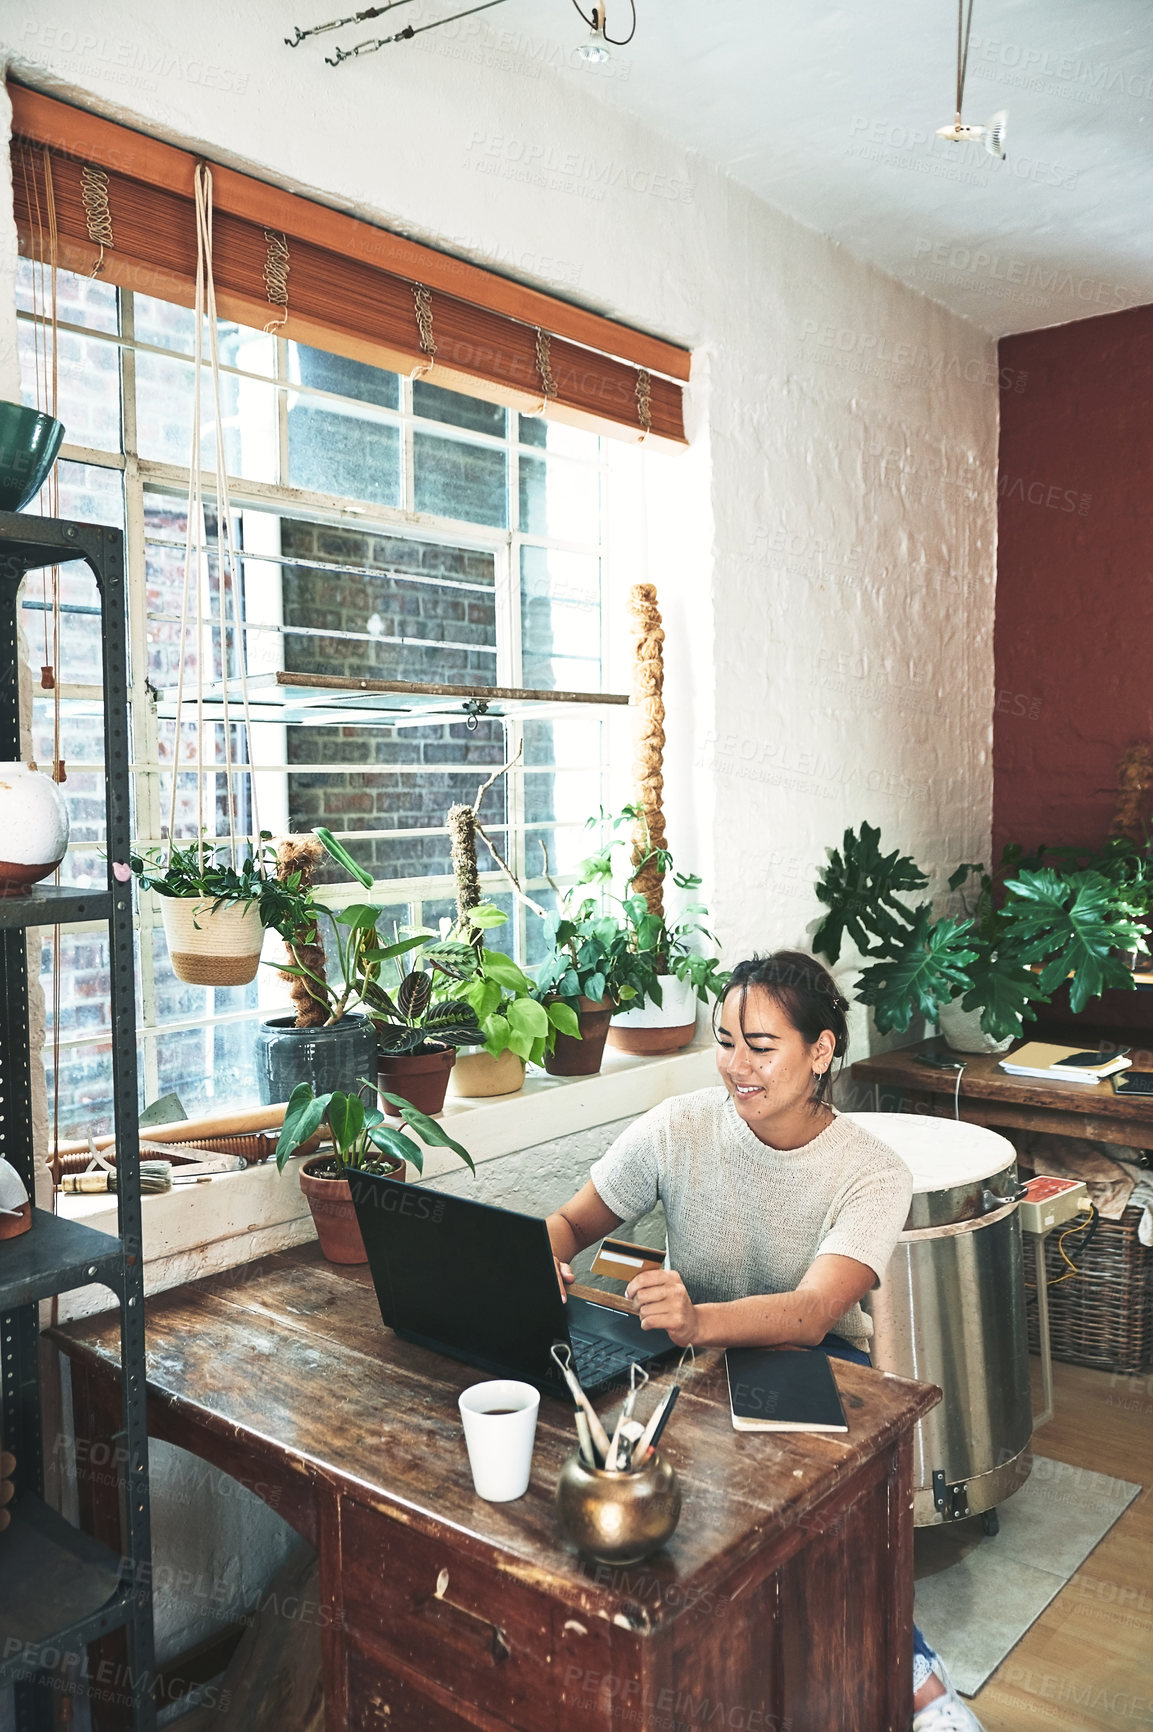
[[744, 1218]]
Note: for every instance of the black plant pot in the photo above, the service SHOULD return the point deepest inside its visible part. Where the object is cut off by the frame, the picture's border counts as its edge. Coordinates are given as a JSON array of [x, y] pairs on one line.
[[340, 1057]]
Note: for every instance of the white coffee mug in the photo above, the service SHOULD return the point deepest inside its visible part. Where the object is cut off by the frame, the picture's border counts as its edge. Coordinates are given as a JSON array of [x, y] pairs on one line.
[[499, 1420]]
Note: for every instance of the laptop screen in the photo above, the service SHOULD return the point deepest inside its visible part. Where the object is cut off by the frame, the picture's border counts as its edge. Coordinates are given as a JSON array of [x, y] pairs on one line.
[[472, 1280]]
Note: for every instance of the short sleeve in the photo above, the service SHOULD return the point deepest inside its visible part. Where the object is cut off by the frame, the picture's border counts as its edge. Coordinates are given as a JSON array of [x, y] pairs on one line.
[[627, 1176], [869, 1216]]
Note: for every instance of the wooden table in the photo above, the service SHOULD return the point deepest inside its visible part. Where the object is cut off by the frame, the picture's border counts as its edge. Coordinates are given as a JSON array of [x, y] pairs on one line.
[[785, 1598], [896, 1082]]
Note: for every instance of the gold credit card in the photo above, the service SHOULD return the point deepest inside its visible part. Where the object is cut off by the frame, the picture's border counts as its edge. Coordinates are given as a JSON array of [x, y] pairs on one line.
[[621, 1260]]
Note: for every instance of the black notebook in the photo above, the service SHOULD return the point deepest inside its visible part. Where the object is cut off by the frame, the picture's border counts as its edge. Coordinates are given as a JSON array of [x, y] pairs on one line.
[[783, 1389]]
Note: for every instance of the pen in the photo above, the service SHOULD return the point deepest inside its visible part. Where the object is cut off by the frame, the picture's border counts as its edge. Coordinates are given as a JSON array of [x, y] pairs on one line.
[[651, 1434]]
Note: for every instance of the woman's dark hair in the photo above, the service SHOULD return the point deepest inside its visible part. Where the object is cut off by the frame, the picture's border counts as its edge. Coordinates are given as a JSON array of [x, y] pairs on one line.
[[805, 991]]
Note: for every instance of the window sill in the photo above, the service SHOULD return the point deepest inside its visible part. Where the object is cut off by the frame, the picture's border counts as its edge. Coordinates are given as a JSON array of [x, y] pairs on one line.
[[237, 1218]]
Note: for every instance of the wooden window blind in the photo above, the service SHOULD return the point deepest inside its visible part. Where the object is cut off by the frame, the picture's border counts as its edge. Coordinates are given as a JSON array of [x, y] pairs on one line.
[[124, 202]]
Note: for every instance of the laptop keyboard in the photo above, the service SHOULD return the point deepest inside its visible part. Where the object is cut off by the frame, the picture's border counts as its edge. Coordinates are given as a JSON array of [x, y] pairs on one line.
[[598, 1360]]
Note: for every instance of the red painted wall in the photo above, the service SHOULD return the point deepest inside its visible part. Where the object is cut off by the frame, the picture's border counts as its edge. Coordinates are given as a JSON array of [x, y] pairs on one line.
[[1073, 639]]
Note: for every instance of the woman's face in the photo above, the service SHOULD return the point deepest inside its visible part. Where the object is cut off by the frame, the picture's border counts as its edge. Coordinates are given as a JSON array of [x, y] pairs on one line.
[[768, 1065]]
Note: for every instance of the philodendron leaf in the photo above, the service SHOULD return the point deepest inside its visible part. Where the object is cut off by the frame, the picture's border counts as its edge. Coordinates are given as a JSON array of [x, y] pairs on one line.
[[1072, 922], [528, 1017], [860, 886], [390, 1141], [302, 1116], [501, 968], [563, 1018], [487, 914], [930, 969], [346, 1121], [427, 1129], [1002, 990]]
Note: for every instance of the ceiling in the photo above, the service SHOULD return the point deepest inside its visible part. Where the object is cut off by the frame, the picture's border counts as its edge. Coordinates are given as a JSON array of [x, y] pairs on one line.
[[829, 112]]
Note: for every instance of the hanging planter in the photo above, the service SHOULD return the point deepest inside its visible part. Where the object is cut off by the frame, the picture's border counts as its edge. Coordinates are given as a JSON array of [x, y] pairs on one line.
[[33, 827], [212, 944]]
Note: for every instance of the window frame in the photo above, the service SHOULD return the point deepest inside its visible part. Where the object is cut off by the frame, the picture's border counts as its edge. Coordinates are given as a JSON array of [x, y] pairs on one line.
[[141, 475]]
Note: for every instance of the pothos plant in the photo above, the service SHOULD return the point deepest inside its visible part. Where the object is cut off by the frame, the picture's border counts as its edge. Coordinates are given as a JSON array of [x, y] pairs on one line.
[[654, 944], [361, 1135], [1012, 948], [500, 993]]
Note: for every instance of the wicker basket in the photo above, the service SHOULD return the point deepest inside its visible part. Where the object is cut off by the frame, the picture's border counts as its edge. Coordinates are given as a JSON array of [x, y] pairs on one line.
[[1102, 1316]]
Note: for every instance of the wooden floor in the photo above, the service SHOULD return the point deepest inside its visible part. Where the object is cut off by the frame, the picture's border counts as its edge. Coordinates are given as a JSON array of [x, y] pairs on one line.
[[1087, 1663]]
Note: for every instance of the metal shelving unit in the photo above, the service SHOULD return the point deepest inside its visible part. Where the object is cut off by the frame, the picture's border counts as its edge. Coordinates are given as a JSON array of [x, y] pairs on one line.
[[59, 1587]]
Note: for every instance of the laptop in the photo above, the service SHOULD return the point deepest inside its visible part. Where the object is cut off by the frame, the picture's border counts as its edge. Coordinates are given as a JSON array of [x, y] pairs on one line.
[[479, 1284]]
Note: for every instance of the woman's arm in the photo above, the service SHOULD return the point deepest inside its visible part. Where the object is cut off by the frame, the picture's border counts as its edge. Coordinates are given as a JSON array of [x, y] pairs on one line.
[[830, 1287], [579, 1223]]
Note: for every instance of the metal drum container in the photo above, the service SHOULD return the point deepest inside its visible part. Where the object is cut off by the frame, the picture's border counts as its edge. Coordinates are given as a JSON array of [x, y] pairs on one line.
[[951, 1311]]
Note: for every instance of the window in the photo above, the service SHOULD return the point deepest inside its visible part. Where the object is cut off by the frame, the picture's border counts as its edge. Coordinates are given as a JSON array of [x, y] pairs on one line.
[[390, 528]]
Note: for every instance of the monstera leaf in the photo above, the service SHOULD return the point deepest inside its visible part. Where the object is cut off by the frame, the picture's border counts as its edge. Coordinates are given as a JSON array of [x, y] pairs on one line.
[[860, 886], [1071, 923], [930, 968], [1002, 990]]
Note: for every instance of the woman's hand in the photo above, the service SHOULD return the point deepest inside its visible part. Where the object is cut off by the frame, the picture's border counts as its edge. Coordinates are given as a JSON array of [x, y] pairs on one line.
[[565, 1277], [663, 1302]]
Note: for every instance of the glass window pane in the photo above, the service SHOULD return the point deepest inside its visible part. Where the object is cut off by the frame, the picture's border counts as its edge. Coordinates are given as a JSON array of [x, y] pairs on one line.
[[87, 384], [560, 500], [345, 378], [164, 418], [555, 436], [434, 403], [162, 325], [453, 479], [80, 300], [560, 620], [346, 454]]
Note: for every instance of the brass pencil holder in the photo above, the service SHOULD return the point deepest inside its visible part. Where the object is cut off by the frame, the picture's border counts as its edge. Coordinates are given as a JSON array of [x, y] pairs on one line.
[[618, 1518]]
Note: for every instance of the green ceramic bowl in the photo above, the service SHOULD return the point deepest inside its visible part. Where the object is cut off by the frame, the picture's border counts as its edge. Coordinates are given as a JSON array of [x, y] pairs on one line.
[[29, 442]]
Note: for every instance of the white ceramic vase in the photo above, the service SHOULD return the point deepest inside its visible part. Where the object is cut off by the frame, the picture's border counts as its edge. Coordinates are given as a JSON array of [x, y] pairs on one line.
[[33, 827], [658, 1028], [210, 947], [962, 1029]]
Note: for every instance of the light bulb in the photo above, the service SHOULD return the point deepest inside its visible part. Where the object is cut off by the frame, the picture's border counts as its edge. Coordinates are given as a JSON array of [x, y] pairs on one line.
[[595, 50]]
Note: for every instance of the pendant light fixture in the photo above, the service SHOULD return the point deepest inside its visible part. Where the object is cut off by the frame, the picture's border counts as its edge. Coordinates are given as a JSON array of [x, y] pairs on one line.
[[593, 51], [992, 134]]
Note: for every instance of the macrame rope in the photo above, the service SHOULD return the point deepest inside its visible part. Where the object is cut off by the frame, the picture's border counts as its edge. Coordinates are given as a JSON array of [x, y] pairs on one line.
[[422, 302], [97, 212], [227, 561], [544, 369], [276, 269], [644, 404]]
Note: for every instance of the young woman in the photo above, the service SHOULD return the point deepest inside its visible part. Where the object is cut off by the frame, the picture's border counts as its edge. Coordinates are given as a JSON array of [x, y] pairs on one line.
[[781, 1215]]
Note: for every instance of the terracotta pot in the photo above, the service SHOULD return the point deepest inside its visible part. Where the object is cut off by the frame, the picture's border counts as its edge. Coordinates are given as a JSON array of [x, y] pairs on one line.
[[421, 1077], [582, 1057], [658, 1028], [477, 1074], [333, 1210], [212, 947]]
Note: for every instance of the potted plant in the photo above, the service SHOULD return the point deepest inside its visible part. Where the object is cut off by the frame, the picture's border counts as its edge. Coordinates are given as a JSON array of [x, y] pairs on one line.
[[516, 1027], [669, 975], [1012, 950], [327, 1040], [360, 1138], [214, 914], [591, 969]]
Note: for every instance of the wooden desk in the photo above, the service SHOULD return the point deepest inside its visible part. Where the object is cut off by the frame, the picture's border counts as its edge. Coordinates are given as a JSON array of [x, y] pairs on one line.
[[786, 1595], [990, 1096]]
